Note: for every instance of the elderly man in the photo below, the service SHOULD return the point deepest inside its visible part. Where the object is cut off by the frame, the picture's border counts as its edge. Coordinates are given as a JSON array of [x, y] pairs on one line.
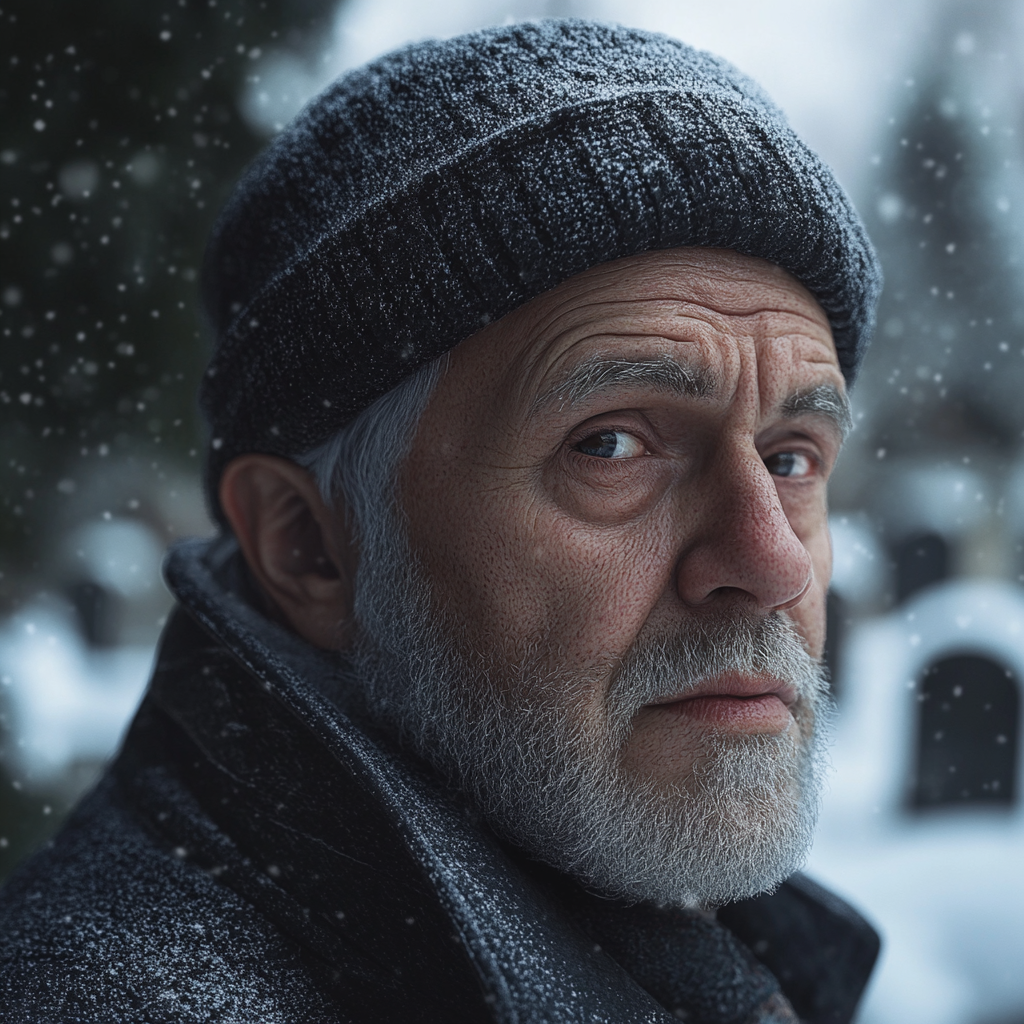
[[499, 698]]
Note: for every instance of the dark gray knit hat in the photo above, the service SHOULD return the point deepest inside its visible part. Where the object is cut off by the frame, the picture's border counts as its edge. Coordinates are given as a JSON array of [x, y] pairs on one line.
[[444, 185]]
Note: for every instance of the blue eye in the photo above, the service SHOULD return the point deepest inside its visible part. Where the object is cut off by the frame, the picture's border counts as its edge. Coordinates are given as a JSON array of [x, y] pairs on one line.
[[611, 444], [789, 464]]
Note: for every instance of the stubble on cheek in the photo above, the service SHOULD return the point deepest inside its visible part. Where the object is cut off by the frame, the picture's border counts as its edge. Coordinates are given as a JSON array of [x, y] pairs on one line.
[[661, 752]]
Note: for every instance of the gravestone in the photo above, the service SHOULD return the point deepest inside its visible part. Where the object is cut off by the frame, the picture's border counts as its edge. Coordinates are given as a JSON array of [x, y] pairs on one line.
[[967, 734]]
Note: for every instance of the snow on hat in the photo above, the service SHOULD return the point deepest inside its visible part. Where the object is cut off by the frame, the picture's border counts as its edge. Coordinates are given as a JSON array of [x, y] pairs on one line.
[[442, 186]]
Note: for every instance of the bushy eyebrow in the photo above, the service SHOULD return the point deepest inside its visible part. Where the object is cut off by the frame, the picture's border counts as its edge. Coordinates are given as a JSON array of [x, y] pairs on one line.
[[665, 374], [824, 400], [592, 376]]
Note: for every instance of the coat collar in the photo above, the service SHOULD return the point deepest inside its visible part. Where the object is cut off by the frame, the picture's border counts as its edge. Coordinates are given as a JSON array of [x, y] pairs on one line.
[[388, 845], [244, 760]]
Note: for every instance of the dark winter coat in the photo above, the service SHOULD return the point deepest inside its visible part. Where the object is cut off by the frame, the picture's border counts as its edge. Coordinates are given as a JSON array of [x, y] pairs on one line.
[[253, 856]]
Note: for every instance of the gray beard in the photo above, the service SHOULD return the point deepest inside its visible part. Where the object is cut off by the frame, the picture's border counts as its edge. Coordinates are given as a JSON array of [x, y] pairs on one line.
[[506, 727]]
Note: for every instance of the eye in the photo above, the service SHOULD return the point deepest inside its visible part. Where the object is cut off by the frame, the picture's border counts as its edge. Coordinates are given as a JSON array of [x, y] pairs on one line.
[[789, 464], [611, 444]]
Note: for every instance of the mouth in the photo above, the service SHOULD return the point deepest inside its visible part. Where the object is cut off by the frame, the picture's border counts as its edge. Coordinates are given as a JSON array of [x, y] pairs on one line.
[[735, 703]]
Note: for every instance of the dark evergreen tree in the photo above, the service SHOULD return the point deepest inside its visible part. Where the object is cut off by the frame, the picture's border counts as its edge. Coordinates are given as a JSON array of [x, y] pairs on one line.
[[947, 370], [121, 136]]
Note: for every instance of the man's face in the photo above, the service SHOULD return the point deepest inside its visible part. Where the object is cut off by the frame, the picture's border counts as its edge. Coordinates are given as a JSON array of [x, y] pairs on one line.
[[595, 600], [632, 455], [601, 610]]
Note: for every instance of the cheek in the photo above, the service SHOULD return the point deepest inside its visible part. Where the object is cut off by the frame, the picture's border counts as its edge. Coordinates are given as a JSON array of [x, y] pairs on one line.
[[607, 582], [517, 571], [809, 618], [606, 494], [809, 614]]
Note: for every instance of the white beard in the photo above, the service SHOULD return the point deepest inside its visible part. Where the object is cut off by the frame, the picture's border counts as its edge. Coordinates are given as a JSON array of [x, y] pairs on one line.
[[509, 731]]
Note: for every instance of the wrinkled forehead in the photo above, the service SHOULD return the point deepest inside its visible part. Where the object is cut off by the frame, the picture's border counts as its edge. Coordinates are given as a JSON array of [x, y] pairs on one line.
[[666, 297], [724, 280]]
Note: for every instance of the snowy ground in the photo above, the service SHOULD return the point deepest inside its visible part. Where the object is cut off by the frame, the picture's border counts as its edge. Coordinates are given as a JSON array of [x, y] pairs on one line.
[[948, 900], [64, 704], [943, 888]]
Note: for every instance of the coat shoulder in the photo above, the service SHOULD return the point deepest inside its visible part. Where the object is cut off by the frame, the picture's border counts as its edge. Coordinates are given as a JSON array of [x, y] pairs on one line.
[[104, 924]]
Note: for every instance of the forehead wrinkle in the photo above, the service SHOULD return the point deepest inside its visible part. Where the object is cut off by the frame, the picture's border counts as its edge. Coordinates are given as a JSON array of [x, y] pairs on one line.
[[602, 373], [826, 400], [587, 295], [705, 308], [669, 318]]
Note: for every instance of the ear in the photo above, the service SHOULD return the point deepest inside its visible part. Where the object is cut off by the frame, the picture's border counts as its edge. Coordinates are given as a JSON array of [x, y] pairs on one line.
[[299, 551]]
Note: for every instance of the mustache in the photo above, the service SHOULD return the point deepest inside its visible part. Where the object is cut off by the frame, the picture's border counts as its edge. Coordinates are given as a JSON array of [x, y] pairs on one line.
[[658, 667]]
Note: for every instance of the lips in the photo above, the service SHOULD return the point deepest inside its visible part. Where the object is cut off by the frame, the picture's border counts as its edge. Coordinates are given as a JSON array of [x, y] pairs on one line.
[[736, 686], [734, 702]]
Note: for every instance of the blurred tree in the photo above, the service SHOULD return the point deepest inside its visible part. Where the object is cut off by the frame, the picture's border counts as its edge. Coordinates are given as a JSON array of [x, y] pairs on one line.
[[948, 218], [121, 137]]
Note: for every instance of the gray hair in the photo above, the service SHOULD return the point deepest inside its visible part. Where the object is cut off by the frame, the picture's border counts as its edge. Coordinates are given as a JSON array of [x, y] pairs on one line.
[[360, 462]]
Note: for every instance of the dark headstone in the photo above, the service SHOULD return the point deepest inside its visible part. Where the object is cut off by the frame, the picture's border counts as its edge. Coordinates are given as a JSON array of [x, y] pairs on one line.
[[920, 560], [969, 710]]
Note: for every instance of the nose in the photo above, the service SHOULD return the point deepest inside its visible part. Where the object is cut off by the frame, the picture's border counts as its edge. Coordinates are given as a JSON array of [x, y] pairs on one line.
[[744, 543]]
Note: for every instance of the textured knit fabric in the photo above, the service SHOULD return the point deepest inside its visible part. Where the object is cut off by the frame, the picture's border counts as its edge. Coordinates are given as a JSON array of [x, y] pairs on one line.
[[446, 184], [254, 856]]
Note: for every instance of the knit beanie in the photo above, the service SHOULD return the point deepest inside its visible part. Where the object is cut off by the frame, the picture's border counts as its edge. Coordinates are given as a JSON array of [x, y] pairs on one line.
[[444, 185]]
